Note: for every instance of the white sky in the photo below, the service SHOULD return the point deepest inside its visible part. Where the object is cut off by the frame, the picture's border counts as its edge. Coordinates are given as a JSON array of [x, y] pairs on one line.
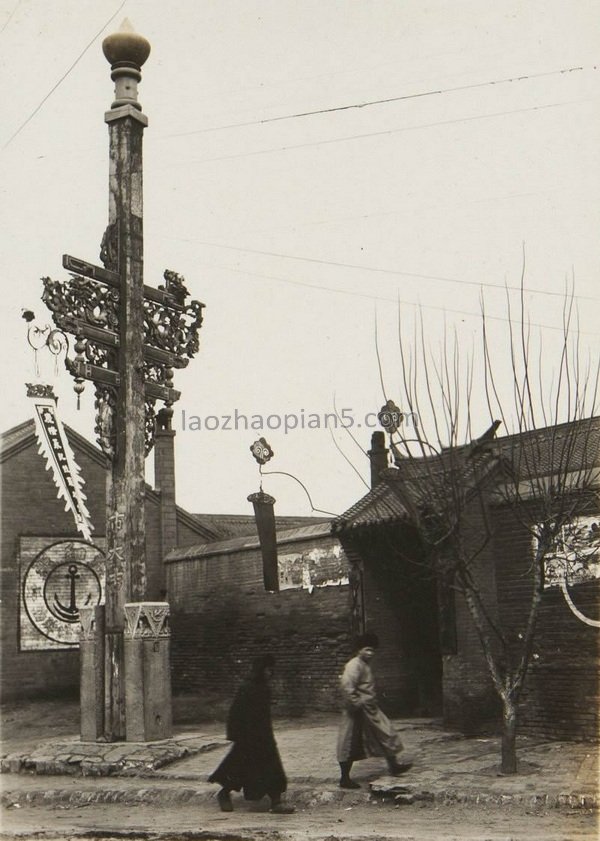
[[437, 192]]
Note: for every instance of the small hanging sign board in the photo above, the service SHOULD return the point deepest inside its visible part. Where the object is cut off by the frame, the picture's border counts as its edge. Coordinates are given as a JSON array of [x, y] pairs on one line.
[[55, 447]]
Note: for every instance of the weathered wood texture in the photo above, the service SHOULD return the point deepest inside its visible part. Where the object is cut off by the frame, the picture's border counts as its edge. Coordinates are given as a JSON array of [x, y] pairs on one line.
[[126, 577]]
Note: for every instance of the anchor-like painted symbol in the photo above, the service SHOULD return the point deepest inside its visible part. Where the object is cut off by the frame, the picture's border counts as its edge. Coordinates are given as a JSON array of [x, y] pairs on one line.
[[70, 612]]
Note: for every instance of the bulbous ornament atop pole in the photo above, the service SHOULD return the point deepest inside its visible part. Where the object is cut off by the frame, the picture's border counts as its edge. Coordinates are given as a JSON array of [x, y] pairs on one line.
[[126, 51]]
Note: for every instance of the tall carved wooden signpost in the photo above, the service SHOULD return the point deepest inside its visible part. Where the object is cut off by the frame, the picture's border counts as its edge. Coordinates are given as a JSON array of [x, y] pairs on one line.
[[128, 339]]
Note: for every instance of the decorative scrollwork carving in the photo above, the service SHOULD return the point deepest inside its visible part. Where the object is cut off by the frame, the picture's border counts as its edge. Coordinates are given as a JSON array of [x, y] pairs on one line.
[[109, 247], [105, 403], [90, 309], [82, 299], [154, 372], [174, 328], [87, 618], [149, 425], [175, 286], [40, 390], [147, 620], [99, 355]]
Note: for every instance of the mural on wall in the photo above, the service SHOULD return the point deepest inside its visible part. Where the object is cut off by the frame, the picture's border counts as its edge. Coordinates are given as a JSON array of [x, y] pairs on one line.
[[313, 568], [57, 577], [576, 560]]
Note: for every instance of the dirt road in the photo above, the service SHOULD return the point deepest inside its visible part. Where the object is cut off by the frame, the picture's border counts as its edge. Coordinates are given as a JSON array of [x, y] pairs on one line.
[[381, 821]]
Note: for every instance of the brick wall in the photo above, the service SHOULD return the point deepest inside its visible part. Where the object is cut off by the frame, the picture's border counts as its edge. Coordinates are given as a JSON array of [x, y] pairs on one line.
[[222, 617], [471, 703], [29, 507], [561, 697]]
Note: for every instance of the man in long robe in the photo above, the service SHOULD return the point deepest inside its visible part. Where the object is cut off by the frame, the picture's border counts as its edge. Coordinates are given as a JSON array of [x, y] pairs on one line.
[[253, 763], [365, 730]]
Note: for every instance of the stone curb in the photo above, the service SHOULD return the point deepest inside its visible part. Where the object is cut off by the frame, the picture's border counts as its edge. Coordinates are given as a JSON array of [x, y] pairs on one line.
[[447, 797], [301, 797], [71, 760], [387, 788]]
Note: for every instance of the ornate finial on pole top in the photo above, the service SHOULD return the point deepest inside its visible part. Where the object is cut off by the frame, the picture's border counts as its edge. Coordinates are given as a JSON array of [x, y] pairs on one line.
[[126, 51]]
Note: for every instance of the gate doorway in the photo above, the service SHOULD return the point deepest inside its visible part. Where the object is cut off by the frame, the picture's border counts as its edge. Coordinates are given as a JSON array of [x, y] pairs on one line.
[[400, 604]]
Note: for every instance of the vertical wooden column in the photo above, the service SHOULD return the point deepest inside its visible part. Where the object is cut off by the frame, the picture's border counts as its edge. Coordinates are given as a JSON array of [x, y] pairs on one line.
[[125, 568]]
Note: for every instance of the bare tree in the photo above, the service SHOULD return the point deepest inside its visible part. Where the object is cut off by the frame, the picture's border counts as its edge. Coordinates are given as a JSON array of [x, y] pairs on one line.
[[546, 472]]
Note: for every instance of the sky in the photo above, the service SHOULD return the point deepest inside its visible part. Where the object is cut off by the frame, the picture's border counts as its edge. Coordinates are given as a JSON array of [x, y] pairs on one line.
[[326, 176]]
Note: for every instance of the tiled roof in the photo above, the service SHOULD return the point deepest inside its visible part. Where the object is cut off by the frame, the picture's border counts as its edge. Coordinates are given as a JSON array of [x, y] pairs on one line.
[[240, 544], [244, 525], [16, 435], [380, 505], [539, 452], [560, 449], [551, 449]]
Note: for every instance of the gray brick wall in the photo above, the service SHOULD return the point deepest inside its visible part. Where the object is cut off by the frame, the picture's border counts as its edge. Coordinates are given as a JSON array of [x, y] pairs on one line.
[[222, 617]]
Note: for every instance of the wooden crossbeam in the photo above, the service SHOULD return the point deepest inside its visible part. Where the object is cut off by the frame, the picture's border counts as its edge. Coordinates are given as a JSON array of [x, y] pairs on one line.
[[82, 267], [108, 338], [106, 376]]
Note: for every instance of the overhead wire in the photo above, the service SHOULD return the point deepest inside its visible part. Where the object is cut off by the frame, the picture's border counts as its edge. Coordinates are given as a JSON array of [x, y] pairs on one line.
[[336, 220], [219, 94], [386, 101], [187, 162], [394, 272], [62, 78], [334, 140], [370, 297], [10, 17]]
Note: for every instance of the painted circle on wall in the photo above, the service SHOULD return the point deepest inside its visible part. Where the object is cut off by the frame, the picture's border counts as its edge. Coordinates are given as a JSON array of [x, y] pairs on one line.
[[62, 578]]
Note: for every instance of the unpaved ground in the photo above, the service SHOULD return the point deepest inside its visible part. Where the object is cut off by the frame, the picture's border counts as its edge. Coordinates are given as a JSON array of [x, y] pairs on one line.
[[380, 821], [28, 723]]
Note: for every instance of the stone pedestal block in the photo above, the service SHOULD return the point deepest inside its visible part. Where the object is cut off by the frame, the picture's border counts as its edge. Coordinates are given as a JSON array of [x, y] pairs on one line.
[[148, 709], [91, 672]]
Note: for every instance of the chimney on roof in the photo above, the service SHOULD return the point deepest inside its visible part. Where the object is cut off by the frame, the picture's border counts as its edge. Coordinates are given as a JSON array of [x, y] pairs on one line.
[[164, 483], [378, 456]]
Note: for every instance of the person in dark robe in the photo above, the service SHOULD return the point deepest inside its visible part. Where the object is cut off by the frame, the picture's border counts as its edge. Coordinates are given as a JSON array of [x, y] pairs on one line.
[[365, 730], [253, 763]]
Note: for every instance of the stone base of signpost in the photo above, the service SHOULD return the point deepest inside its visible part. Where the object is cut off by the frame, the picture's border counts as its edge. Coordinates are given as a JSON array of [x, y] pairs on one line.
[[148, 708], [91, 674]]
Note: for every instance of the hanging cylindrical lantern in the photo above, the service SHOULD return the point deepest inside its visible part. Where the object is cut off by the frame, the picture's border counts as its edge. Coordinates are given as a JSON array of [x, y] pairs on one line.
[[264, 514]]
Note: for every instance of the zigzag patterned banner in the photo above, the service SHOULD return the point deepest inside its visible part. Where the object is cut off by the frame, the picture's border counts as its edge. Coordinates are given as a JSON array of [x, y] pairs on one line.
[[55, 447]]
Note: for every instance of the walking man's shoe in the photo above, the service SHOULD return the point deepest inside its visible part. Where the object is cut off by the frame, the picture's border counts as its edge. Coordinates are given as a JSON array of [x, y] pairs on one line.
[[397, 768], [282, 809], [224, 799], [348, 783]]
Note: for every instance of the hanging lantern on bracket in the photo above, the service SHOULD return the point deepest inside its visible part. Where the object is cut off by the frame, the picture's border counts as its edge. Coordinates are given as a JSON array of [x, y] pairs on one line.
[[264, 514]]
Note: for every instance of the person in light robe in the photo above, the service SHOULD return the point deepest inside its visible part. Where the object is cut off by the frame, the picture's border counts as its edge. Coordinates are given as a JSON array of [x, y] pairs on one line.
[[365, 730]]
